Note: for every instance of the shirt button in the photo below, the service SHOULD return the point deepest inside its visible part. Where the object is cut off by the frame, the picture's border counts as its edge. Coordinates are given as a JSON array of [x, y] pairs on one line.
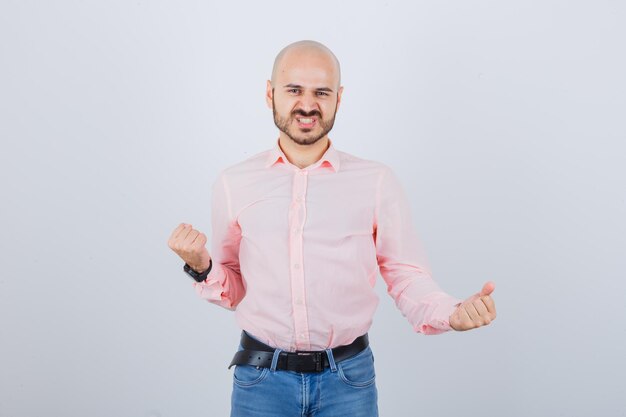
[[296, 266]]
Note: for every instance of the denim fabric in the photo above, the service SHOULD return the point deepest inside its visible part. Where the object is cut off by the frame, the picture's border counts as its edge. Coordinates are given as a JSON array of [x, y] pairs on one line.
[[346, 388]]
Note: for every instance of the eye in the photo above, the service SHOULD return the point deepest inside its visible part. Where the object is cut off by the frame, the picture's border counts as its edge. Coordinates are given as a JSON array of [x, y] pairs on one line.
[[292, 90], [321, 92]]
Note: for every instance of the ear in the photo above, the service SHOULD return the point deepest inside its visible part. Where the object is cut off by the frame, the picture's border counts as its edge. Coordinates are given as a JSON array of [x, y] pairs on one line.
[[268, 94], [339, 92]]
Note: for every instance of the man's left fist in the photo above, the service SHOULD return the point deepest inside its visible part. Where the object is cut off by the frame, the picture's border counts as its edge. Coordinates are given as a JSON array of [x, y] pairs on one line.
[[478, 310]]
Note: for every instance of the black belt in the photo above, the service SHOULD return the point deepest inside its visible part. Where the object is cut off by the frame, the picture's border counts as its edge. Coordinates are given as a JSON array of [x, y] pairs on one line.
[[259, 354]]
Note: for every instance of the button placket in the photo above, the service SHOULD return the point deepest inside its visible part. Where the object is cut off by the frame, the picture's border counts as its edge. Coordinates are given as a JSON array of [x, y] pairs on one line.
[[297, 217]]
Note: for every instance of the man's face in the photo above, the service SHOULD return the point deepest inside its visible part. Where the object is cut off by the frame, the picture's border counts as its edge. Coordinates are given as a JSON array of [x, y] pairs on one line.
[[305, 98]]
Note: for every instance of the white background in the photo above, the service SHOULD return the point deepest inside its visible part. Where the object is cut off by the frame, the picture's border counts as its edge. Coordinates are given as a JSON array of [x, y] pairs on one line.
[[503, 119]]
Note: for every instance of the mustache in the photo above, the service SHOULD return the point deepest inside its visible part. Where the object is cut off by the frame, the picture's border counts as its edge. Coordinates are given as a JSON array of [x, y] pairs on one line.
[[301, 113]]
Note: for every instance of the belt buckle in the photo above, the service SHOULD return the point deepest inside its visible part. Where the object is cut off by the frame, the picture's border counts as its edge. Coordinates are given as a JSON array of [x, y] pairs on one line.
[[316, 357]]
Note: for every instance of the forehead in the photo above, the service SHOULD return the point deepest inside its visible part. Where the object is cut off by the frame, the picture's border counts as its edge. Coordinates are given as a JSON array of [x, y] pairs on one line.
[[309, 70]]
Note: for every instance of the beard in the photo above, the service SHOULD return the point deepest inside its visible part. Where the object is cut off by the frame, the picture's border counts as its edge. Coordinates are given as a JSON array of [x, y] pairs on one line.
[[302, 136]]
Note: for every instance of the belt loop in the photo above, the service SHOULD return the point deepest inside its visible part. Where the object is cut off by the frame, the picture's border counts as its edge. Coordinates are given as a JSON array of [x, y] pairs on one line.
[[275, 359], [331, 360]]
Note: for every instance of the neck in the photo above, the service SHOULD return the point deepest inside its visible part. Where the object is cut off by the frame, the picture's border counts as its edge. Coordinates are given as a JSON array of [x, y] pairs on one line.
[[303, 155]]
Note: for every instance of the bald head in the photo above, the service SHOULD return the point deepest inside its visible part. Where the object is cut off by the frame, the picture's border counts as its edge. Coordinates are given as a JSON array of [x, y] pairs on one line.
[[297, 51]]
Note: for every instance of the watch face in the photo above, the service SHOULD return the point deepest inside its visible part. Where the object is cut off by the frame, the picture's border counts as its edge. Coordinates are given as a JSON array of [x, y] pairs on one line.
[[198, 277], [193, 274]]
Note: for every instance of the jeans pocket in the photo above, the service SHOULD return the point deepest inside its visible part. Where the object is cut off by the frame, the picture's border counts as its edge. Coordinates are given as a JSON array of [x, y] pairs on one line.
[[248, 375], [358, 371]]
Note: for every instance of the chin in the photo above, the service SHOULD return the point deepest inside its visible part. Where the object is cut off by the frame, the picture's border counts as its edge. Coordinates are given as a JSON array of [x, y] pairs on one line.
[[305, 140]]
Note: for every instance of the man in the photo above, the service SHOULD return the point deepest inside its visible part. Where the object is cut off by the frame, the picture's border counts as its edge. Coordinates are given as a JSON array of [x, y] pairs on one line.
[[300, 232]]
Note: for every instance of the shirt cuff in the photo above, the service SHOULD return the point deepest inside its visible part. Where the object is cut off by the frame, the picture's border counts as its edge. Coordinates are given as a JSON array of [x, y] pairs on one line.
[[212, 288], [439, 321]]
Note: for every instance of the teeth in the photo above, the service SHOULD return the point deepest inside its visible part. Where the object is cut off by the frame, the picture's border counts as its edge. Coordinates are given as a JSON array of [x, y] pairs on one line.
[[305, 120]]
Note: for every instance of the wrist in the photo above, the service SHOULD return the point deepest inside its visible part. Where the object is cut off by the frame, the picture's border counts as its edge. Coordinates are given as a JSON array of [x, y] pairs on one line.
[[200, 274], [200, 268]]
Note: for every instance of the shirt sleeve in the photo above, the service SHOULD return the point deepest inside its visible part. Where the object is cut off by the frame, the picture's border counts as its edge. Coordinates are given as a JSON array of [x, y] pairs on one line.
[[223, 285], [403, 263]]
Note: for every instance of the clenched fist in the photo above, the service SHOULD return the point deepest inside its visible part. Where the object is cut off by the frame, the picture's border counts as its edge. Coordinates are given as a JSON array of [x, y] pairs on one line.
[[189, 243]]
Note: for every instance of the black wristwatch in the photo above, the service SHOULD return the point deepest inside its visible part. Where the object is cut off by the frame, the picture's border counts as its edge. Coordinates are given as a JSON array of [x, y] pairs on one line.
[[197, 275]]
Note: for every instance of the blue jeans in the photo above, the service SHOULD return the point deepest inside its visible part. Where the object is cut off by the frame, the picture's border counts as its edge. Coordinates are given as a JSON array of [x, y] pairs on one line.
[[346, 388]]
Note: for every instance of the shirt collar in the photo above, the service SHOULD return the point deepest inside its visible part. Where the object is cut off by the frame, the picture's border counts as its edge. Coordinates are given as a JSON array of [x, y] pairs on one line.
[[330, 157]]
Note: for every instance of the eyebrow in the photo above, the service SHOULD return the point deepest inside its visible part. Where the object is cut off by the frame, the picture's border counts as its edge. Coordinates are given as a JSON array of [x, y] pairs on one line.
[[317, 89]]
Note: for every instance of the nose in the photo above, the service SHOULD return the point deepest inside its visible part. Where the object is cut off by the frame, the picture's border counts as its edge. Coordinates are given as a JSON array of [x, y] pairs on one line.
[[308, 104]]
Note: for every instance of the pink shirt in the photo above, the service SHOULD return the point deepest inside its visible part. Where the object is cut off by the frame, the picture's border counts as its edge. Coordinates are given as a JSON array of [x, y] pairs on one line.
[[296, 251]]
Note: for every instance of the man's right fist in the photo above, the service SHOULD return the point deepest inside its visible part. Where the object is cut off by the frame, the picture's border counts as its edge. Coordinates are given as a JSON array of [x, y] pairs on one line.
[[189, 243]]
